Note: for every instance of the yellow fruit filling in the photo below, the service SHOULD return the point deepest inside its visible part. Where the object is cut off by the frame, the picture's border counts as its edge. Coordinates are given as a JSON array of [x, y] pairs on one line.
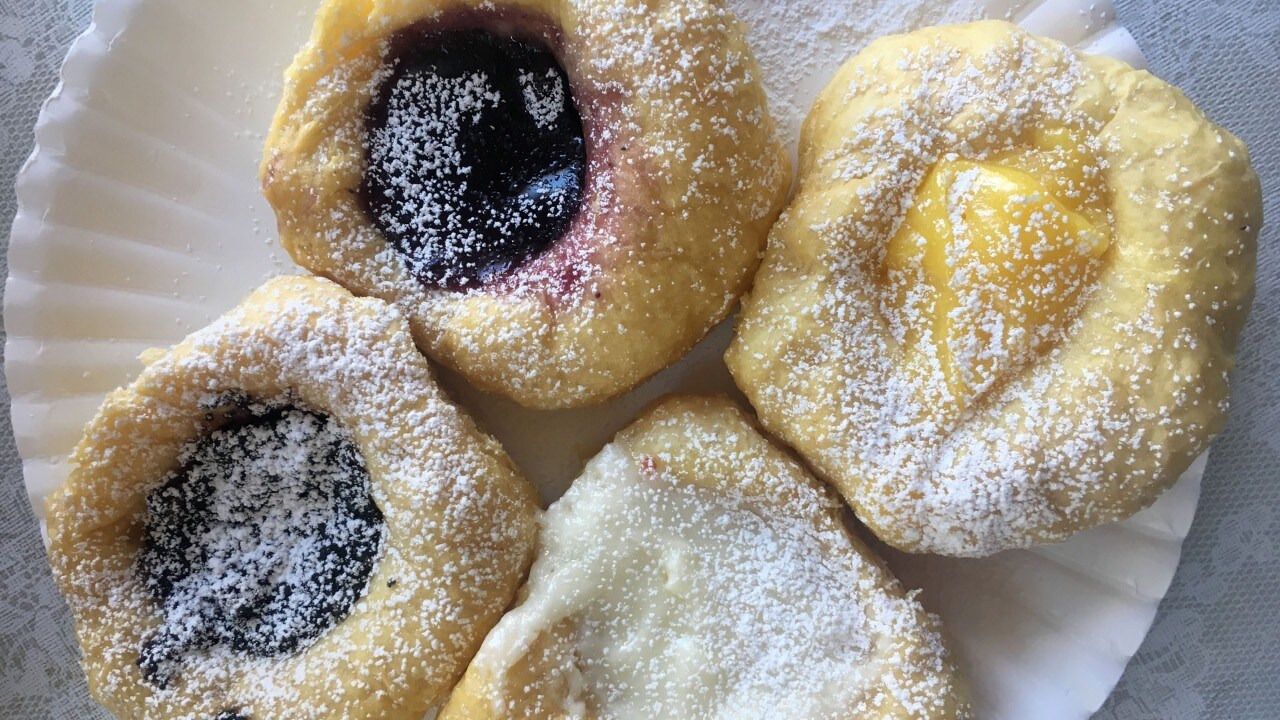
[[995, 257]]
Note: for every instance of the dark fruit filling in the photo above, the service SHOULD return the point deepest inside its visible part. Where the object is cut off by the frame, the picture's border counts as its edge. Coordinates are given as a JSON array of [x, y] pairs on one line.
[[475, 156], [261, 541]]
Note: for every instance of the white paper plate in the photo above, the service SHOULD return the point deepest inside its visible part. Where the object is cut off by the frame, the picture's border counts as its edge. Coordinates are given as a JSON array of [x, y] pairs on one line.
[[139, 220]]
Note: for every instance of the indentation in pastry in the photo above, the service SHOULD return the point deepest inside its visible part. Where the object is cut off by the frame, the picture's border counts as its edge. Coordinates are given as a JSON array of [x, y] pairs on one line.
[[475, 158], [995, 257], [260, 541]]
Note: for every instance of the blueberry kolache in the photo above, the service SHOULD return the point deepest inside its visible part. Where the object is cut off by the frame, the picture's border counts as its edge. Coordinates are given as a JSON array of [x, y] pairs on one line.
[[284, 517], [696, 570], [561, 197], [1003, 306]]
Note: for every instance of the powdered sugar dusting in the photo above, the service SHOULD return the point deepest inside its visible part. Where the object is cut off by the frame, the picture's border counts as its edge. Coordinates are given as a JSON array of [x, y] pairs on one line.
[[545, 96], [424, 120], [801, 43], [474, 157], [261, 542]]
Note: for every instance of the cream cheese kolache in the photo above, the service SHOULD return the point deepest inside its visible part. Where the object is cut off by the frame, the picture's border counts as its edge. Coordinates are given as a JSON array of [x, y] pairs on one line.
[[695, 570], [1003, 306], [283, 517], [562, 197]]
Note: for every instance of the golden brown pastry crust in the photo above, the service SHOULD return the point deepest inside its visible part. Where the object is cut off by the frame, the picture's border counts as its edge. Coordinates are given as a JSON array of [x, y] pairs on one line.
[[1088, 432], [685, 176], [535, 670], [460, 520]]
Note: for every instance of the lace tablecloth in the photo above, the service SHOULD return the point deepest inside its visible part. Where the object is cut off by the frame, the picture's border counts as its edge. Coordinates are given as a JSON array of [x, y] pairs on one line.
[[1214, 652]]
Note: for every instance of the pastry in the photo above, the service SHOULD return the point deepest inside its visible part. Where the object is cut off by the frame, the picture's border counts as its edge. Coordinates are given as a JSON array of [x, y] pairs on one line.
[[696, 571], [1003, 306], [284, 517], [561, 197]]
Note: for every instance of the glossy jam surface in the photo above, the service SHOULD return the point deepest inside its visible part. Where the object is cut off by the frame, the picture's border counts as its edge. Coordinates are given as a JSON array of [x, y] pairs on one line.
[[260, 542], [1007, 248], [475, 158]]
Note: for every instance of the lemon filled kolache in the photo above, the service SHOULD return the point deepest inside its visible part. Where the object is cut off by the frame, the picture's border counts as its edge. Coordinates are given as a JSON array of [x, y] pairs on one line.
[[1003, 306], [284, 517], [561, 197]]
